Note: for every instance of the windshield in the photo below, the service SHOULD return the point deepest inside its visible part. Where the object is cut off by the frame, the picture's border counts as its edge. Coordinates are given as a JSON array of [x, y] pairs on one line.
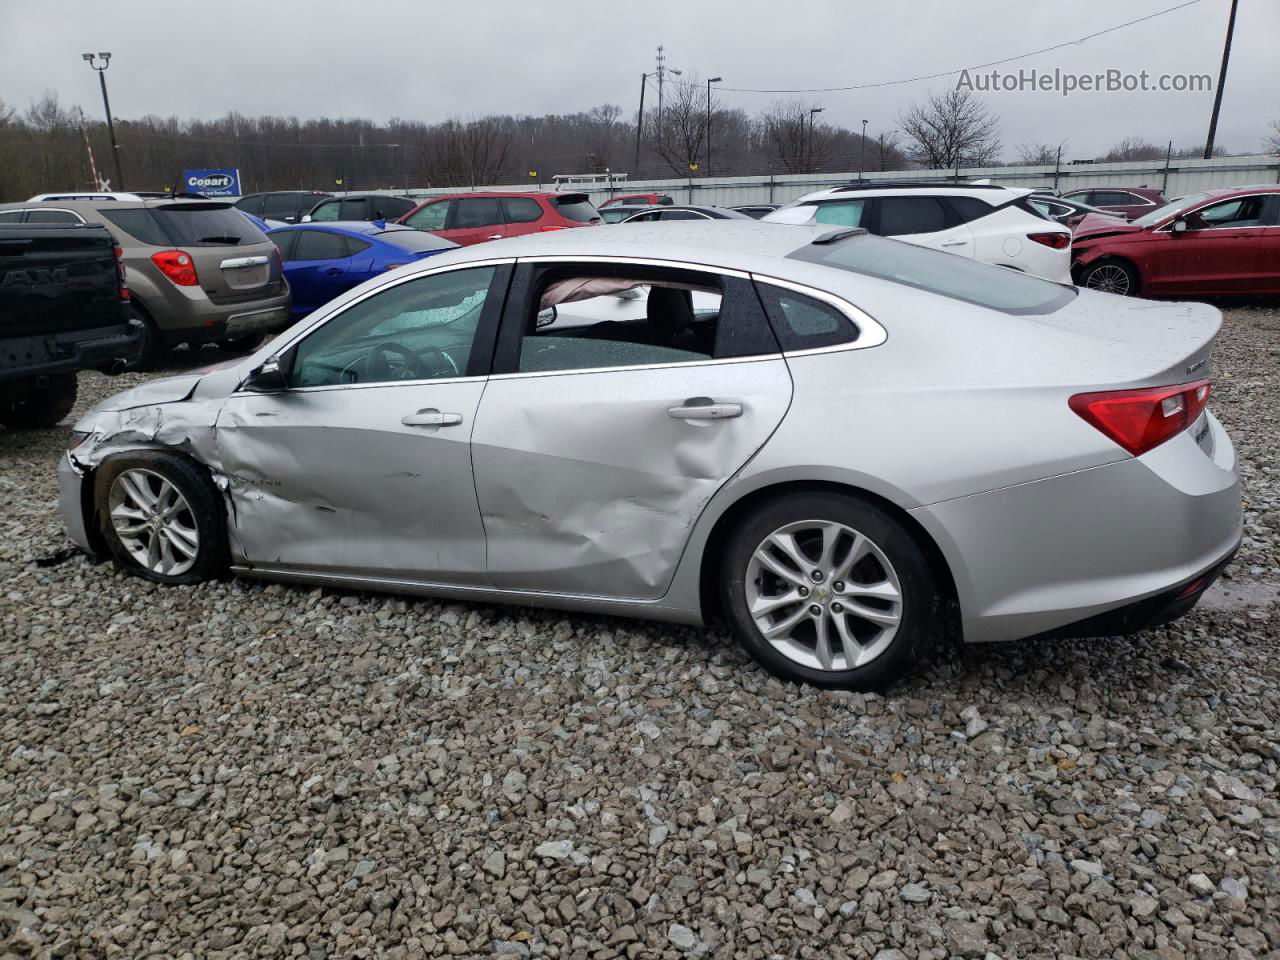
[[959, 278], [1170, 208]]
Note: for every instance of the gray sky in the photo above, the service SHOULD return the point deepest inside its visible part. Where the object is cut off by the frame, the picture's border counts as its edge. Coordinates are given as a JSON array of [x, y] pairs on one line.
[[430, 59]]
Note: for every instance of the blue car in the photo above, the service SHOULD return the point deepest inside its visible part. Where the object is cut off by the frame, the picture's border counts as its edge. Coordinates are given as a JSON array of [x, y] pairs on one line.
[[322, 260]]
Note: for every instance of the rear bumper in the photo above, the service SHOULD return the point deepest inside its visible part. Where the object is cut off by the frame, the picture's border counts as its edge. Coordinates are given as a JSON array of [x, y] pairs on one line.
[[203, 321], [1041, 557], [108, 349]]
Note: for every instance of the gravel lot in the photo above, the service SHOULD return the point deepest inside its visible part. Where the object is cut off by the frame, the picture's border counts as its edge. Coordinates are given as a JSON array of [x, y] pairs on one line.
[[240, 770]]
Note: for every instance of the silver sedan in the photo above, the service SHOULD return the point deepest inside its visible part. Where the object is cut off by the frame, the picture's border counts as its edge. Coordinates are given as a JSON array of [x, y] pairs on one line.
[[843, 446]]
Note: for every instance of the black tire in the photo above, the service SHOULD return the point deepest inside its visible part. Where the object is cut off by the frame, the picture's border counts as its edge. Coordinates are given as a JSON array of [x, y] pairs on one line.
[[206, 513], [37, 404], [917, 607], [1111, 276], [243, 344], [153, 348]]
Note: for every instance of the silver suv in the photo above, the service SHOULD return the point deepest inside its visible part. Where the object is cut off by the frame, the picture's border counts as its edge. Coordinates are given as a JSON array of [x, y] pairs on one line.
[[199, 271]]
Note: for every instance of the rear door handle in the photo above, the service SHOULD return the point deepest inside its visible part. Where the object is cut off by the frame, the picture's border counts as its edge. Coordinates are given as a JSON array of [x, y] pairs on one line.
[[955, 243], [704, 408], [431, 417]]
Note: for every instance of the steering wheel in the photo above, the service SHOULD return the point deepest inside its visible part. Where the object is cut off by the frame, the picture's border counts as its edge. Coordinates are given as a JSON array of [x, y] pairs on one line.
[[392, 361]]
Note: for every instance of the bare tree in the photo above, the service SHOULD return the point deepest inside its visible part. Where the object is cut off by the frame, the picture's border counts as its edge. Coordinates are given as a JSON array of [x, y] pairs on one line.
[[1037, 154], [1272, 139], [792, 139], [679, 137], [467, 153], [1134, 148], [951, 129]]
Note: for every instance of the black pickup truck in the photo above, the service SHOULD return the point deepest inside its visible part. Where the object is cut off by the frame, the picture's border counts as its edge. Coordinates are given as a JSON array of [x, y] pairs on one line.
[[64, 306]]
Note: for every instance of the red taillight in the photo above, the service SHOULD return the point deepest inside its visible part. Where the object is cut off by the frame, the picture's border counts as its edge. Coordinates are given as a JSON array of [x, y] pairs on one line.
[[1140, 420], [177, 266], [1058, 241], [391, 266], [121, 280]]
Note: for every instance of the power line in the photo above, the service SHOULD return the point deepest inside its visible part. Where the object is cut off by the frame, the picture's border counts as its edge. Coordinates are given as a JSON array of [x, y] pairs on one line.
[[951, 73]]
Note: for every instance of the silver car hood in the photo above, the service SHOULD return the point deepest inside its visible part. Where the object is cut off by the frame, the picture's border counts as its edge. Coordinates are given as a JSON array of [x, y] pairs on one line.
[[166, 390]]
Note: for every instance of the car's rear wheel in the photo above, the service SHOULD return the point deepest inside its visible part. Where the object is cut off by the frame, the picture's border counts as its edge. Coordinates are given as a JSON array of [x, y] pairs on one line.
[[1111, 276], [161, 517], [830, 590]]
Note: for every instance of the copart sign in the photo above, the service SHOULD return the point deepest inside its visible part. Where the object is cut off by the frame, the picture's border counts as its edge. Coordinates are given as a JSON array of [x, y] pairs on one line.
[[212, 183]]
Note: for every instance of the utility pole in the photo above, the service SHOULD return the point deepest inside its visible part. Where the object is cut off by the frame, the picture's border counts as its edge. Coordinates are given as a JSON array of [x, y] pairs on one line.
[[1222, 80], [709, 83], [862, 157], [106, 105], [644, 77], [810, 149], [662, 71]]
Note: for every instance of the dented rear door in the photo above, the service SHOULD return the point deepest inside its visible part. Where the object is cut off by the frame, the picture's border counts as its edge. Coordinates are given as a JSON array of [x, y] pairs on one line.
[[590, 481]]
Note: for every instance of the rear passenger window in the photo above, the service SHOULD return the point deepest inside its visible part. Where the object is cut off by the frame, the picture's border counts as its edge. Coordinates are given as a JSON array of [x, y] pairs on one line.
[[355, 246], [279, 207], [320, 245], [521, 209], [354, 209], [804, 323], [899, 215], [10, 216], [139, 224]]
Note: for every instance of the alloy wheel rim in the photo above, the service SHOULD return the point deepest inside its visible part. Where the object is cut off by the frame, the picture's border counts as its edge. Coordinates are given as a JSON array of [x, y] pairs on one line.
[[154, 522], [824, 595], [1109, 279]]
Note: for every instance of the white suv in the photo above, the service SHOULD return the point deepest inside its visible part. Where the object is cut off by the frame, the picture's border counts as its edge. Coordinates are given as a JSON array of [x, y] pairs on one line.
[[984, 222]]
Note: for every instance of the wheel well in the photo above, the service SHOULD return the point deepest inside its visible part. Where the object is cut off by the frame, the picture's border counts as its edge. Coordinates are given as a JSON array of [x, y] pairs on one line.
[[714, 551]]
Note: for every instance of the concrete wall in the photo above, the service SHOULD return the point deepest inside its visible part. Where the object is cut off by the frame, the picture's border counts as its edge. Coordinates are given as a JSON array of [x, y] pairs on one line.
[[1181, 177]]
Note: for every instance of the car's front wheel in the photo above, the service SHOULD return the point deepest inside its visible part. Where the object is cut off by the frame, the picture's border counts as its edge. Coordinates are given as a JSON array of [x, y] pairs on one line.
[[161, 517], [830, 590], [1111, 276]]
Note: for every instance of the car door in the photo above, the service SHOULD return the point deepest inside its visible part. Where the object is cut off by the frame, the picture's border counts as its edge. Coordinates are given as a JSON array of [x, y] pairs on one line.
[[315, 271], [361, 465], [924, 221], [474, 220], [522, 215], [1219, 250], [1268, 271], [597, 444]]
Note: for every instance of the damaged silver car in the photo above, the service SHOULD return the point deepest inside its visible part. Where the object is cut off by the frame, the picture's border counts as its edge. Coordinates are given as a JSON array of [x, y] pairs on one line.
[[839, 444]]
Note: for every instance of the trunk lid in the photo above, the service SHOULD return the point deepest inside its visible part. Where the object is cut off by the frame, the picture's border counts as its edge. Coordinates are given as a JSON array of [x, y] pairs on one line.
[[1120, 342], [234, 260]]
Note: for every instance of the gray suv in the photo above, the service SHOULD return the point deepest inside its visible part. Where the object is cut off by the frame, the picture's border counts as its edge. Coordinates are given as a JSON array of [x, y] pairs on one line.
[[199, 271]]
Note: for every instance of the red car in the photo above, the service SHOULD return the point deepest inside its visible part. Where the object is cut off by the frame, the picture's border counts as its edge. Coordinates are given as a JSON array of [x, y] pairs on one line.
[[467, 218], [1215, 243], [1128, 202], [640, 200]]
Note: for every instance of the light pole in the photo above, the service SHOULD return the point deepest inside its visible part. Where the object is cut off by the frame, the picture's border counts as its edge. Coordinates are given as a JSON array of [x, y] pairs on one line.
[[404, 174], [644, 78], [862, 156], [811, 113], [106, 105], [709, 83]]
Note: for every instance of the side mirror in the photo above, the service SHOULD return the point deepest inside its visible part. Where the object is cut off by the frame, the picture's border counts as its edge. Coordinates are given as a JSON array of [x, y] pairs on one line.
[[271, 376], [306, 218], [1179, 226], [547, 317]]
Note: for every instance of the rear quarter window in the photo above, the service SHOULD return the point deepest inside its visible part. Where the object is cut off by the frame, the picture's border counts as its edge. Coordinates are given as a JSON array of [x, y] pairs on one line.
[[945, 274], [577, 208], [142, 226]]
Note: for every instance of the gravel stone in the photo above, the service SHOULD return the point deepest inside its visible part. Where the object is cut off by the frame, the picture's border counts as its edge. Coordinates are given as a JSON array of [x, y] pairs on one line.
[[243, 769]]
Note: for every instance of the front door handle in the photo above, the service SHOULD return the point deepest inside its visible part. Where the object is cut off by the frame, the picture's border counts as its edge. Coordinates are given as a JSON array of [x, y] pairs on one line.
[[431, 417], [496, 236], [704, 408], [955, 243]]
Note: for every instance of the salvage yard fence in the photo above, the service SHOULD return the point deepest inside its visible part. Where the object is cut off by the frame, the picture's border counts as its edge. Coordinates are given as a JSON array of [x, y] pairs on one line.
[[1174, 178]]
